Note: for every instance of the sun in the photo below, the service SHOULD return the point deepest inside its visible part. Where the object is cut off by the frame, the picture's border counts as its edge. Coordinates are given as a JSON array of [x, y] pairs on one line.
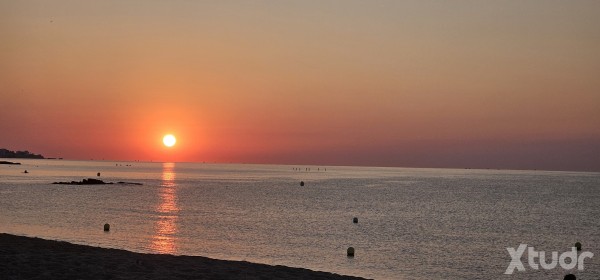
[[169, 140]]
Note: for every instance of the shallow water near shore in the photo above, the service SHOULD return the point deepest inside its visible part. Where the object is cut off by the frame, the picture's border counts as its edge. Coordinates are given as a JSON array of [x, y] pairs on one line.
[[412, 223]]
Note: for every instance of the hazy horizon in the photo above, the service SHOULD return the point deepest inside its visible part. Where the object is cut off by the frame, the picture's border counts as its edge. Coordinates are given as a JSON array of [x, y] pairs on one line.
[[462, 84]]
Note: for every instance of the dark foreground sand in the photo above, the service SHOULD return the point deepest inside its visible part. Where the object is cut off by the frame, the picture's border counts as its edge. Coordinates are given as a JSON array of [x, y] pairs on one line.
[[34, 258]]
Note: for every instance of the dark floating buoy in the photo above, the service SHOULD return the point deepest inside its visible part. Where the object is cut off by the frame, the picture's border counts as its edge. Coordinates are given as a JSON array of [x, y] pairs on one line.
[[578, 246], [570, 277], [106, 227], [98, 174], [302, 183], [25, 171], [355, 220], [350, 251]]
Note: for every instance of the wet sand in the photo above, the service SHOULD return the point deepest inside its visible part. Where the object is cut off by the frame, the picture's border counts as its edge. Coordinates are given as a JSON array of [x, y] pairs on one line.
[[35, 258]]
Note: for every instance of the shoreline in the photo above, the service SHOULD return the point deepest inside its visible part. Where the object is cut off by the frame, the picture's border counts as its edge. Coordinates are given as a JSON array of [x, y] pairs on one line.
[[35, 258]]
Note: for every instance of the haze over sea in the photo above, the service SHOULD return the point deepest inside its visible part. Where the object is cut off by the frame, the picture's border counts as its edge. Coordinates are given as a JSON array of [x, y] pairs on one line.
[[413, 223]]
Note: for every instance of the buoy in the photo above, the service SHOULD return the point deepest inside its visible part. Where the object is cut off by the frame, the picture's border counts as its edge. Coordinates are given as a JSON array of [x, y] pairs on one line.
[[570, 277], [302, 183], [106, 227], [355, 220], [578, 246], [350, 251], [98, 174], [25, 171]]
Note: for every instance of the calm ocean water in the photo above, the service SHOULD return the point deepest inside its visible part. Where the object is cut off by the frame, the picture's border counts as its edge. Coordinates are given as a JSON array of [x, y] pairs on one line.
[[413, 223]]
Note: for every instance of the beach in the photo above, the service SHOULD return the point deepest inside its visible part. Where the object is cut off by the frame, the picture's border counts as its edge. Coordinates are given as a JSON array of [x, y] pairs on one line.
[[35, 258]]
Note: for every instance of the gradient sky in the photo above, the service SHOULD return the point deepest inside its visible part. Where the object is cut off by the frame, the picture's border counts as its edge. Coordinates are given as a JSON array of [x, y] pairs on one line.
[[481, 84]]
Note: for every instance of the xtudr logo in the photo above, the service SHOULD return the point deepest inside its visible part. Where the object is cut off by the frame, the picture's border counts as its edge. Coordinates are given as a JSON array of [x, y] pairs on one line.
[[573, 259]]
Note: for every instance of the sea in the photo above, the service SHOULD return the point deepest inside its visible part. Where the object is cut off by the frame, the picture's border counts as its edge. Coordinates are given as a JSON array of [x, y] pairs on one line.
[[412, 223]]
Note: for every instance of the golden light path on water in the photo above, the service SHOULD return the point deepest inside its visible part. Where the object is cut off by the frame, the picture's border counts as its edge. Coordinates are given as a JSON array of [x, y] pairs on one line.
[[165, 227]]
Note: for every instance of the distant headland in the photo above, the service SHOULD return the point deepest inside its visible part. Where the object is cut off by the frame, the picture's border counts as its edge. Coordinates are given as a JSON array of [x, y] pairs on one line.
[[4, 153]]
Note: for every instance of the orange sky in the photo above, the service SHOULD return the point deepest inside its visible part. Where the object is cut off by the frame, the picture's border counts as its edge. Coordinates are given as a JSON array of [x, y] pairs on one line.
[[508, 84]]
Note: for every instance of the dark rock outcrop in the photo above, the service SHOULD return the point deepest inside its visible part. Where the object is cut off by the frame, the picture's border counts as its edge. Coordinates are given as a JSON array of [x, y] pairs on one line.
[[92, 181], [89, 181]]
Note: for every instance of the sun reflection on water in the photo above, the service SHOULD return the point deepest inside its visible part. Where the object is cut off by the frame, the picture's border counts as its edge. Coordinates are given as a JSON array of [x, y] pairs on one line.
[[165, 227]]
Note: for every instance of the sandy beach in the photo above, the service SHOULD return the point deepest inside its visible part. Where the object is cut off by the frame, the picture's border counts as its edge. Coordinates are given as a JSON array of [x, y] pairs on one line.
[[35, 258]]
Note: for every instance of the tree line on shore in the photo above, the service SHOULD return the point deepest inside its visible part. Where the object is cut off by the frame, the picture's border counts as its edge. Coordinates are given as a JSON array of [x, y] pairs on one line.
[[4, 153]]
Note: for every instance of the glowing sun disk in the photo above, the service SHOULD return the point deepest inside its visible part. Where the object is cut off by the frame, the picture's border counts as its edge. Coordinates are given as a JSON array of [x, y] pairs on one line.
[[169, 140]]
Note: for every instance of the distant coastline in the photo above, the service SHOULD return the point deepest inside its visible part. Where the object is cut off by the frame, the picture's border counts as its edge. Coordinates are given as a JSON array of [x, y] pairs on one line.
[[5, 153]]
